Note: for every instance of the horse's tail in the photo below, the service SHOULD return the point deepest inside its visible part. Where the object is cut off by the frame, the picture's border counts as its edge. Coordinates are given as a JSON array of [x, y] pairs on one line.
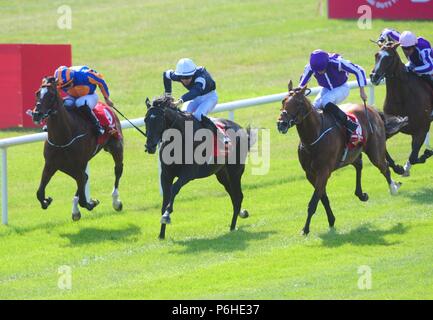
[[393, 124], [253, 136]]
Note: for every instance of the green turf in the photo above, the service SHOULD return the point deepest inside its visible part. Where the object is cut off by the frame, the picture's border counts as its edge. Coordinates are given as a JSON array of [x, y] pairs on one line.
[[251, 48]]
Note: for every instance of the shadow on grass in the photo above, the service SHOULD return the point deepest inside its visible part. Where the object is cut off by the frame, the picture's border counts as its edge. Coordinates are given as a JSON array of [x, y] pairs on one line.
[[364, 235], [228, 242], [94, 235], [423, 195]]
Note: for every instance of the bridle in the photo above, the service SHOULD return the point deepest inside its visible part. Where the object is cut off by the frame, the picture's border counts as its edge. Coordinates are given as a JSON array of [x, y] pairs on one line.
[[49, 112], [293, 119]]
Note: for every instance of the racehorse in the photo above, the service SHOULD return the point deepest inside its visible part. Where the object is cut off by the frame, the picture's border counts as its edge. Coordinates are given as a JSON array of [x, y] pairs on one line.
[[71, 143], [322, 148], [406, 95], [160, 117]]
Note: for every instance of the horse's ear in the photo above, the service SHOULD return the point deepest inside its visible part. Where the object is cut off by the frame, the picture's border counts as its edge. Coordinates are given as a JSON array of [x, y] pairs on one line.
[[290, 86], [303, 89], [148, 103]]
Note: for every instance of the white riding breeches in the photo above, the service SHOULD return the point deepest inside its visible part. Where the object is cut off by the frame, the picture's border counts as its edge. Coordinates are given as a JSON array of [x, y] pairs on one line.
[[91, 100], [336, 96], [202, 105]]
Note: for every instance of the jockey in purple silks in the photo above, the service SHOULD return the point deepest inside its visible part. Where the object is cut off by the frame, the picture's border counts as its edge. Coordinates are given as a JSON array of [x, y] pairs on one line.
[[417, 50], [331, 72]]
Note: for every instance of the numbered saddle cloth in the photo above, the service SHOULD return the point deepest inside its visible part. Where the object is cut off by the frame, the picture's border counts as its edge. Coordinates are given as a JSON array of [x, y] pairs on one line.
[[107, 118], [357, 138]]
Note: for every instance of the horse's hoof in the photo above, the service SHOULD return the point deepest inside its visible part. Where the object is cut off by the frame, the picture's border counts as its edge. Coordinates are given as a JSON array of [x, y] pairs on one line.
[[406, 174], [399, 170], [428, 153], [244, 214], [305, 232], [46, 203], [76, 216], [393, 188], [92, 204], [118, 206], [165, 219], [363, 197]]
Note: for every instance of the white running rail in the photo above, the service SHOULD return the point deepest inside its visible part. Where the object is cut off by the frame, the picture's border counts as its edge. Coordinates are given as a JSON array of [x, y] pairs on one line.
[[222, 107]]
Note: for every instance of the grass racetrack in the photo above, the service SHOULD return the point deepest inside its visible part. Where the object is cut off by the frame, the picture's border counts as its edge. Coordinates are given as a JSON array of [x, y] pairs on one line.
[[251, 48]]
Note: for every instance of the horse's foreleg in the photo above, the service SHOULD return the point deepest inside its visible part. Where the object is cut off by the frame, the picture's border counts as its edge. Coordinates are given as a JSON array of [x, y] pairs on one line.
[[319, 189], [175, 188], [166, 185], [358, 191], [47, 173]]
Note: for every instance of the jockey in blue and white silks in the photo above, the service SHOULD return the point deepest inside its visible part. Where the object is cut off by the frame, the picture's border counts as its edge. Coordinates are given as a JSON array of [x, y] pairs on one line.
[[331, 72], [200, 84], [417, 50], [201, 90]]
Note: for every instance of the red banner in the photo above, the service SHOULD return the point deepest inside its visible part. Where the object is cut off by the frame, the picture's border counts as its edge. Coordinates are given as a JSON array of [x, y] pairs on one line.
[[22, 67], [381, 9]]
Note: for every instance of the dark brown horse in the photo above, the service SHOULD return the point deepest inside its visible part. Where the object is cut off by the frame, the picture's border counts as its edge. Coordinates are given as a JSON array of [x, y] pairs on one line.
[[323, 146], [161, 118], [406, 95], [71, 143]]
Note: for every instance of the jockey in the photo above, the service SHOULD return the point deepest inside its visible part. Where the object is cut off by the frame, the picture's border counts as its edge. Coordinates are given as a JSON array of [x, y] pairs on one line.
[[201, 86], [79, 83], [330, 71], [417, 50]]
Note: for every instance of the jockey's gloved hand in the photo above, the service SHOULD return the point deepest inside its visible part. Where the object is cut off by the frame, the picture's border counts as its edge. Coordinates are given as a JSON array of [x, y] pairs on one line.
[[177, 103], [109, 102], [409, 67]]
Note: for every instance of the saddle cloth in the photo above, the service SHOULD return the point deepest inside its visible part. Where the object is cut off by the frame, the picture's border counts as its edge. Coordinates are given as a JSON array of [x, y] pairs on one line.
[[357, 137], [221, 149], [107, 118]]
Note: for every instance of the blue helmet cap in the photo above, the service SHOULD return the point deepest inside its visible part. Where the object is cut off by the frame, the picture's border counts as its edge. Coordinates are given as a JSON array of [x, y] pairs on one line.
[[319, 60]]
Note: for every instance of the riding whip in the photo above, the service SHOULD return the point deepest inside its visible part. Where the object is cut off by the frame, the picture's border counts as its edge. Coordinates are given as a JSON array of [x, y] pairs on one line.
[[138, 129]]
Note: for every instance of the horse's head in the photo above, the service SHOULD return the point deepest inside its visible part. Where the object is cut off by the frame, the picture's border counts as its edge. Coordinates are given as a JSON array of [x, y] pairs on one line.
[[46, 98], [386, 62], [155, 121], [295, 107]]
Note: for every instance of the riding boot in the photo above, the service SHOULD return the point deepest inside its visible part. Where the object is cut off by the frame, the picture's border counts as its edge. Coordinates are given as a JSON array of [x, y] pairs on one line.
[[341, 117], [208, 124], [95, 122]]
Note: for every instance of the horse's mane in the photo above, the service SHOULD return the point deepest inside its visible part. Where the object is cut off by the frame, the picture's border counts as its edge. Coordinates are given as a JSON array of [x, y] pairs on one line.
[[166, 103], [296, 93]]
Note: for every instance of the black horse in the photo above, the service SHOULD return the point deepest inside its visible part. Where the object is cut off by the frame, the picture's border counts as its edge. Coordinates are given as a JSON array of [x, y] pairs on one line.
[[161, 116]]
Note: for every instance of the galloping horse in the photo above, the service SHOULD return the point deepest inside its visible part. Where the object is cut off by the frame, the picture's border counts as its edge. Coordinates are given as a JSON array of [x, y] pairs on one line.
[[406, 95], [161, 116], [71, 143], [323, 145]]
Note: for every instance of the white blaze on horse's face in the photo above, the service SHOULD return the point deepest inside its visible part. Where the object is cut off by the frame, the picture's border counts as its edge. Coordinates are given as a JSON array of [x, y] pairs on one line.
[[42, 93], [382, 54]]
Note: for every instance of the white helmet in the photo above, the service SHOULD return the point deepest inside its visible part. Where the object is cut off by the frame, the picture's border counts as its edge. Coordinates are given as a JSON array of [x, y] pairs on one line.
[[185, 67], [408, 39]]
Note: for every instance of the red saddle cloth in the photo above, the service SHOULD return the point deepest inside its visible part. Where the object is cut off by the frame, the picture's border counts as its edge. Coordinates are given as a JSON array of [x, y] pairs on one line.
[[221, 149], [107, 118], [357, 137]]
